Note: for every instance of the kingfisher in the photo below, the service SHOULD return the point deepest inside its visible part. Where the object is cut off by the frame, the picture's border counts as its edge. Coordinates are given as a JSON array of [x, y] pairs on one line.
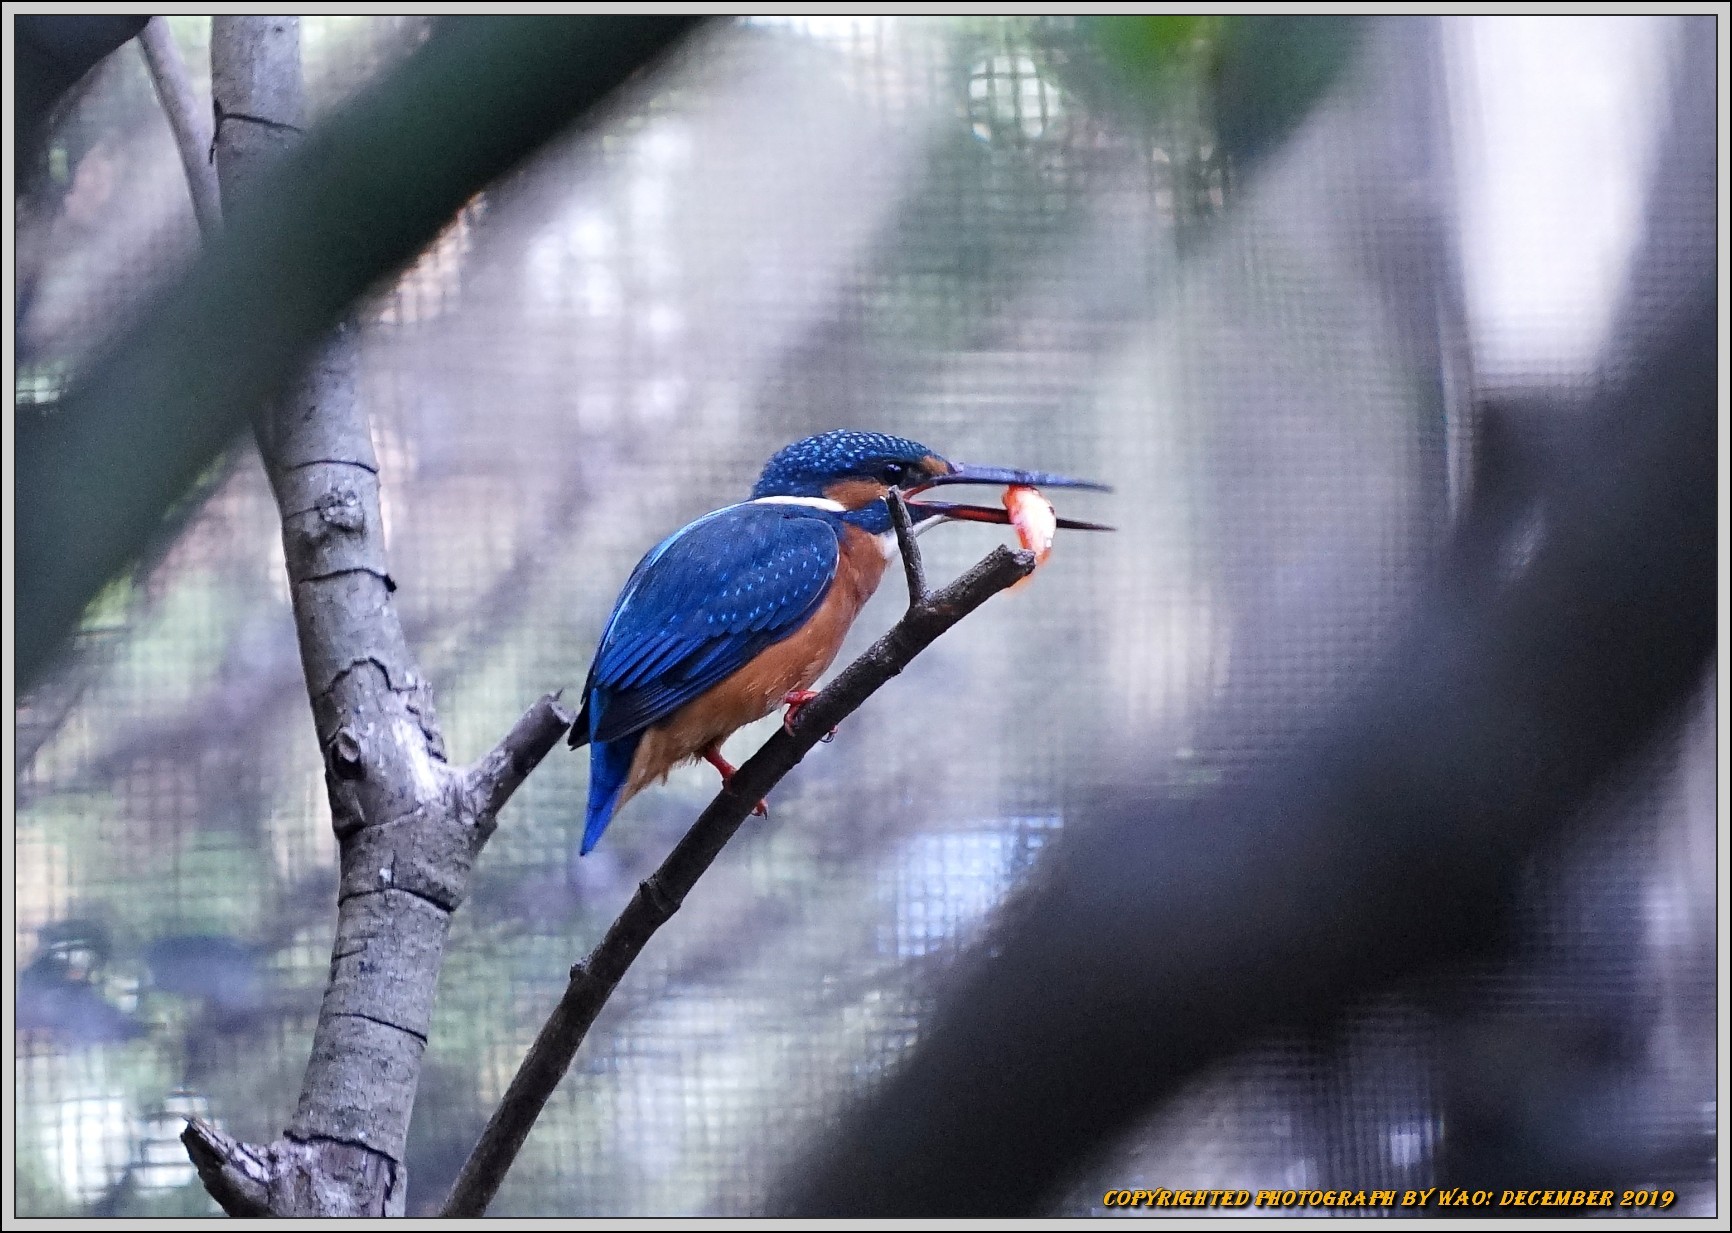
[[742, 610]]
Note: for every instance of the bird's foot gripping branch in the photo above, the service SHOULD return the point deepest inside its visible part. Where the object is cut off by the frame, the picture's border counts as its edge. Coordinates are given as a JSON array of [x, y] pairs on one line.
[[750, 604], [659, 896]]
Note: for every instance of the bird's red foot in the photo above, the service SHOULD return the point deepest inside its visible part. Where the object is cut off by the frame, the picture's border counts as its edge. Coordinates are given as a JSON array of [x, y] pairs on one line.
[[726, 769], [796, 702]]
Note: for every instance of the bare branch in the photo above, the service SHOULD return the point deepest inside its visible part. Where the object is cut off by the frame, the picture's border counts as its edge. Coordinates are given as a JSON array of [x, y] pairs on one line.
[[409, 827], [188, 120], [913, 566], [310, 1179], [493, 779], [660, 895], [234, 1173]]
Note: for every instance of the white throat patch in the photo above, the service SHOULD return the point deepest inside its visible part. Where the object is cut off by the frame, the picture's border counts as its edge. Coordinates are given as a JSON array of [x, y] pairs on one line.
[[824, 503]]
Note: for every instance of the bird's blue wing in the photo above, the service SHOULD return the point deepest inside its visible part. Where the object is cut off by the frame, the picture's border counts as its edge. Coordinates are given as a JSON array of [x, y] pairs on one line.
[[702, 605]]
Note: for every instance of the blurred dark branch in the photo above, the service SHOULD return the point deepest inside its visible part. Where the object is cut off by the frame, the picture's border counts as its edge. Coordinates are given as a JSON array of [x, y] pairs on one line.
[[52, 53], [355, 201], [1165, 933], [1270, 71], [188, 120], [58, 692], [239, 709], [660, 895]]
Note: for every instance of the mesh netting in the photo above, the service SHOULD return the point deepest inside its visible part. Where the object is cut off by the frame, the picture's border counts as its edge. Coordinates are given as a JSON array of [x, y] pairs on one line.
[[909, 225]]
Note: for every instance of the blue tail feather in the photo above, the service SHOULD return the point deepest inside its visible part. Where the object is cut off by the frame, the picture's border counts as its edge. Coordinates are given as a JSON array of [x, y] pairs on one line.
[[609, 767]]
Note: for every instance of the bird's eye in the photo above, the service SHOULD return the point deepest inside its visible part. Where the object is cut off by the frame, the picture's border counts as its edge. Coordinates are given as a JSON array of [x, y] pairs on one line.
[[893, 473]]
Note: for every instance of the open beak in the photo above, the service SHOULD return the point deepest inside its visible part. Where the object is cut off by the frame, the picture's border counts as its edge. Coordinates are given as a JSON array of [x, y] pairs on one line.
[[930, 513], [925, 512], [965, 474]]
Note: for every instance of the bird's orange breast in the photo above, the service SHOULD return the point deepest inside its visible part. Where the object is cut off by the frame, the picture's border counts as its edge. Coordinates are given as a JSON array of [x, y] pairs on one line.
[[756, 689]]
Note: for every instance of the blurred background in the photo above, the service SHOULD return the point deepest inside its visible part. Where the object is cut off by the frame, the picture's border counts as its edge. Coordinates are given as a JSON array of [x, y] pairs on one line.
[[1028, 241]]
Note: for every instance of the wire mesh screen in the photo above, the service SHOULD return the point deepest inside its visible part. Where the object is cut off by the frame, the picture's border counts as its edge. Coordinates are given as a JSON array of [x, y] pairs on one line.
[[918, 226]]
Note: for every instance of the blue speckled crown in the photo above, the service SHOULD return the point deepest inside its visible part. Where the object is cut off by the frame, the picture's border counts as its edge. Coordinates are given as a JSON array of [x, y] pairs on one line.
[[805, 467]]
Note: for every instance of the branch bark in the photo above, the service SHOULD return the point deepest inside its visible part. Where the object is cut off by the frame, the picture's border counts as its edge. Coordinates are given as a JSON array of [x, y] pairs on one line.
[[188, 120], [409, 826], [660, 895]]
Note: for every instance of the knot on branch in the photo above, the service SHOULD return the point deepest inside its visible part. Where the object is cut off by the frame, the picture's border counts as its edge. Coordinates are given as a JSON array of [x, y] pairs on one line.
[[344, 755], [340, 509], [664, 904]]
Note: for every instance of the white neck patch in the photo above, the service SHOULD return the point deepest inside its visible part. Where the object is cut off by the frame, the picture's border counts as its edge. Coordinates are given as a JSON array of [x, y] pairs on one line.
[[824, 503]]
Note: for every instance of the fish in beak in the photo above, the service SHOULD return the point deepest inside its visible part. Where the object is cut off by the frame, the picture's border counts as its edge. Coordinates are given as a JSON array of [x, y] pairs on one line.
[[931, 513]]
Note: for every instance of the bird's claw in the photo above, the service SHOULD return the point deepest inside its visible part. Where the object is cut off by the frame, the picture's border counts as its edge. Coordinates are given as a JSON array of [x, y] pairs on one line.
[[726, 769], [796, 701]]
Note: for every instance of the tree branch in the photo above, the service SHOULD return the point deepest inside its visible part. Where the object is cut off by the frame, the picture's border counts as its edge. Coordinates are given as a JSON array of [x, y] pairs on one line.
[[409, 827], [913, 565], [492, 780], [660, 895], [232, 1172], [188, 120], [1167, 929]]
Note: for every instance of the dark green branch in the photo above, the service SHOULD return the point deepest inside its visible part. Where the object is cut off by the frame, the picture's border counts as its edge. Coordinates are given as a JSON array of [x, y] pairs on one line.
[[357, 200]]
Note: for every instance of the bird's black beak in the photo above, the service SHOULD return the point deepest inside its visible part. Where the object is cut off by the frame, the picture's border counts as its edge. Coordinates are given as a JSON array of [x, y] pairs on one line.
[[962, 473], [946, 510], [932, 512], [929, 513]]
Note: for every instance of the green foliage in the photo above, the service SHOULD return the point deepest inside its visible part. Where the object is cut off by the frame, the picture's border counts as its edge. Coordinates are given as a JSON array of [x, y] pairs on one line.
[[1145, 50], [1149, 69], [1257, 76]]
